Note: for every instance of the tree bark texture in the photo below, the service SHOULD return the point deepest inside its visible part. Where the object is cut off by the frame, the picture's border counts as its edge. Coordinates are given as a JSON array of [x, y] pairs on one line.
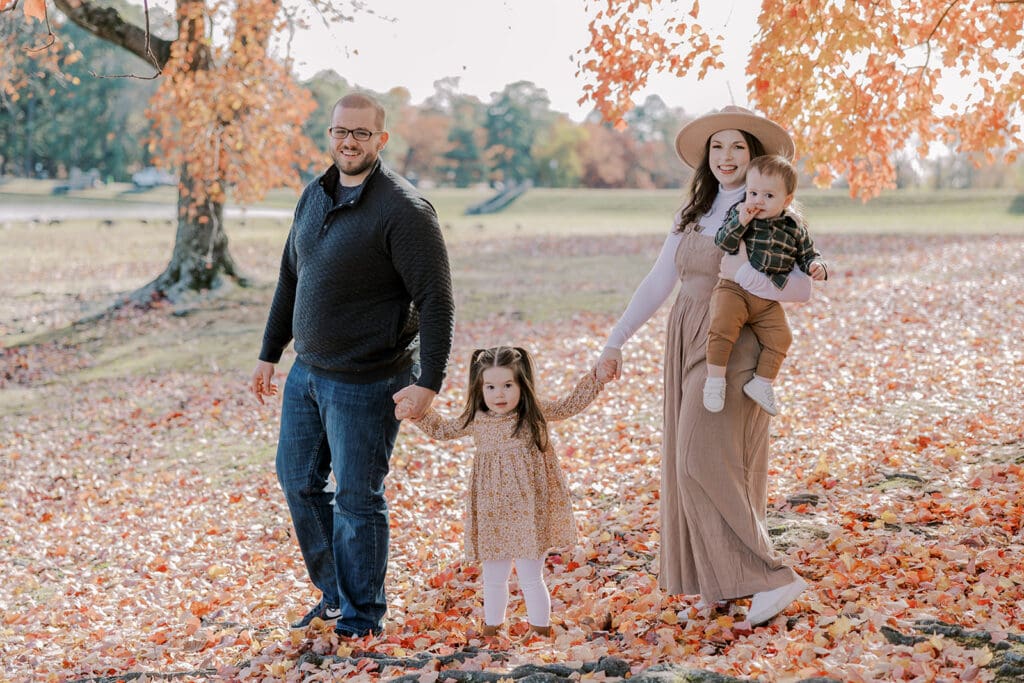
[[200, 257], [107, 24]]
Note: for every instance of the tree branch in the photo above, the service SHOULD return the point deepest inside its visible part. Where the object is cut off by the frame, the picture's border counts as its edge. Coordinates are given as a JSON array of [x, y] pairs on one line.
[[928, 40], [942, 18], [107, 23]]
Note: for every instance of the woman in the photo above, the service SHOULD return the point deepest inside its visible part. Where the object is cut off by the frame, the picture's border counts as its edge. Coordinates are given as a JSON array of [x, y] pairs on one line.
[[714, 537]]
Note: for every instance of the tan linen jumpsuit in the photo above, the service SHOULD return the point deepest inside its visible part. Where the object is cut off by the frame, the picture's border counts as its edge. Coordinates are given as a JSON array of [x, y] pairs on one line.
[[714, 535]]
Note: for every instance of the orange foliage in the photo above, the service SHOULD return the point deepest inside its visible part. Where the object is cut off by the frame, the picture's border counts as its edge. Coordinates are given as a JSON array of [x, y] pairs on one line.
[[625, 48], [237, 123], [21, 62], [35, 9], [426, 137], [896, 474], [855, 82], [227, 113]]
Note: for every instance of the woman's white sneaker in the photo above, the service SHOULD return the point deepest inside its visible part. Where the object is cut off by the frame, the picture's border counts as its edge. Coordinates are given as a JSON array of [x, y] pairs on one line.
[[767, 604]]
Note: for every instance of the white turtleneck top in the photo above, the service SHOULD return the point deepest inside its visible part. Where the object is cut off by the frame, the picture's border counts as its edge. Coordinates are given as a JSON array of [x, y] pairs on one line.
[[662, 279]]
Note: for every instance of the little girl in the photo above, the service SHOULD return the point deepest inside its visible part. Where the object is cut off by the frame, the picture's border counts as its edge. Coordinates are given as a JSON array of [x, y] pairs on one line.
[[518, 504]]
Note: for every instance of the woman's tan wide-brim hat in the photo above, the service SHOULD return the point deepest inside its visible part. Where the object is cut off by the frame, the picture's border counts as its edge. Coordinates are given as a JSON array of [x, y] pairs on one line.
[[692, 139]]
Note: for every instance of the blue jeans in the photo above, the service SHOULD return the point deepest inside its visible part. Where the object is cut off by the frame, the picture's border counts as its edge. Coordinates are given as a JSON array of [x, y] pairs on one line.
[[327, 424]]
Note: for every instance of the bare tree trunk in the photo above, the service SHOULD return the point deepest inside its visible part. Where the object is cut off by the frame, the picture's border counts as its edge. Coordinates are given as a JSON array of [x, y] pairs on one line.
[[200, 260]]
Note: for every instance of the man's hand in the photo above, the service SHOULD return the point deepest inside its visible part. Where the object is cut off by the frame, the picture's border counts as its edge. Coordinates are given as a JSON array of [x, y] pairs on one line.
[[262, 381], [414, 401]]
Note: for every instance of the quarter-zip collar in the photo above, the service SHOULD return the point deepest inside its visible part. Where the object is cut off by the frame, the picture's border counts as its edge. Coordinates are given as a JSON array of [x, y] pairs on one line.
[[332, 176], [329, 184]]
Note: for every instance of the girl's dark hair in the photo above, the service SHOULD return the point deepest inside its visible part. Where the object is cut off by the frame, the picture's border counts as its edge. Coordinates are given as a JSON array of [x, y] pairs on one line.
[[528, 411], [704, 185]]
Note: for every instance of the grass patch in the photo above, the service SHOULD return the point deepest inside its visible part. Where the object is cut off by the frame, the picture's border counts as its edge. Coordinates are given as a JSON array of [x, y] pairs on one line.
[[223, 458], [960, 212], [217, 335], [614, 212], [551, 254], [15, 400], [520, 279], [555, 212]]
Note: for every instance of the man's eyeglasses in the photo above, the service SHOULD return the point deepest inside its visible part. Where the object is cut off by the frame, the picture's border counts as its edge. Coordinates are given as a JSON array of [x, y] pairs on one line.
[[361, 134]]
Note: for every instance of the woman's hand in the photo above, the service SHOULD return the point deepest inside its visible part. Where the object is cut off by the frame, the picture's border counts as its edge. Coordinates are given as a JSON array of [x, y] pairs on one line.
[[731, 263], [609, 365]]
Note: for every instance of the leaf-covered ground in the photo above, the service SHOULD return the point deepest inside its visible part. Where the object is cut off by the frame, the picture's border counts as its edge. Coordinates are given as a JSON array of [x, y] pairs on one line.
[[143, 533]]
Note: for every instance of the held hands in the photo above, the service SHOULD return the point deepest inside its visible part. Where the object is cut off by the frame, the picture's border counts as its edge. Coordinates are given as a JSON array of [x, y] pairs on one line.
[[609, 366], [412, 402], [262, 381], [403, 409]]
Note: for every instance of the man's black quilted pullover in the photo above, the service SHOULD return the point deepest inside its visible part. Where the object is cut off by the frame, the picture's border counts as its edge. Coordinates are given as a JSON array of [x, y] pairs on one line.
[[358, 281]]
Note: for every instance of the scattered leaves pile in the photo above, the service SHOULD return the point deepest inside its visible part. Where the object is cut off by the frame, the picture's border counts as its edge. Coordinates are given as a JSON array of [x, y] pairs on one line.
[[143, 530]]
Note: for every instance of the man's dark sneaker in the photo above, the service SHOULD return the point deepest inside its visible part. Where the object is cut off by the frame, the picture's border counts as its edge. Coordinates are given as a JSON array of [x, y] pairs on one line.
[[349, 634], [321, 611]]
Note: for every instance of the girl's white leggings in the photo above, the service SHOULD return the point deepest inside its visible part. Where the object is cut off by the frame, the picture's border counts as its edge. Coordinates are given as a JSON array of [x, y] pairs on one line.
[[531, 582]]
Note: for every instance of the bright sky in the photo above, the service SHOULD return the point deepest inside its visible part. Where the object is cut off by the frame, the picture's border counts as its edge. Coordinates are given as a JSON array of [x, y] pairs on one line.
[[488, 44]]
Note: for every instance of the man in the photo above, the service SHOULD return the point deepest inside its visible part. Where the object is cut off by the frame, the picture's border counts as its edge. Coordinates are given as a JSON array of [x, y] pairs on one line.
[[365, 292]]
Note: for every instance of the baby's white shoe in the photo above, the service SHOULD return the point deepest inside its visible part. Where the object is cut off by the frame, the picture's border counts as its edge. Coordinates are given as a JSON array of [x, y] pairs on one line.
[[760, 390], [714, 394]]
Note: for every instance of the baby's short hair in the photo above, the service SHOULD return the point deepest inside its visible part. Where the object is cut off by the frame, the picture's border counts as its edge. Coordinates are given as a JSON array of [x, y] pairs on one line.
[[777, 167]]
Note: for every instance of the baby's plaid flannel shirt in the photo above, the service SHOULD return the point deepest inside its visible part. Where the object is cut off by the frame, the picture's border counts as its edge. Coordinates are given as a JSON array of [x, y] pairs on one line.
[[774, 245]]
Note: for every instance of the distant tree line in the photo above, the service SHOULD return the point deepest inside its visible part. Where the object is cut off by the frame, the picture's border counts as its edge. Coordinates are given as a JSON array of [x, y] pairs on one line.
[[92, 118], [455, 139]]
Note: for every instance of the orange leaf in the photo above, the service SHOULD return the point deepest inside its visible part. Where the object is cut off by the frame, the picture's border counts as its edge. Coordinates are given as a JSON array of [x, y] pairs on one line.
[[35, 9], [192, 625]]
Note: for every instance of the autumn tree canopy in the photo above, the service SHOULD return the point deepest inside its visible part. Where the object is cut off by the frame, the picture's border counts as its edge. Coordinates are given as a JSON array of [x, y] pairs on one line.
[[227, 113], [855, 81]]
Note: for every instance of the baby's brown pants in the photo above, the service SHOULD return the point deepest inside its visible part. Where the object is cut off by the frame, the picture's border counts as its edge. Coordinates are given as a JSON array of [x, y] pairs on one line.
[[732, 307]]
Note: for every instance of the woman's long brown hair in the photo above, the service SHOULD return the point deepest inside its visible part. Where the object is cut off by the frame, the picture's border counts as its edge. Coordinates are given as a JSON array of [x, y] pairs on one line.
[[528, 411], [704, 185]]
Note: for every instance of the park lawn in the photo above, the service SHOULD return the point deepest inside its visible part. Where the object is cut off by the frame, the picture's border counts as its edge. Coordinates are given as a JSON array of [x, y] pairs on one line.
[[143, 529], [57, 272]]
